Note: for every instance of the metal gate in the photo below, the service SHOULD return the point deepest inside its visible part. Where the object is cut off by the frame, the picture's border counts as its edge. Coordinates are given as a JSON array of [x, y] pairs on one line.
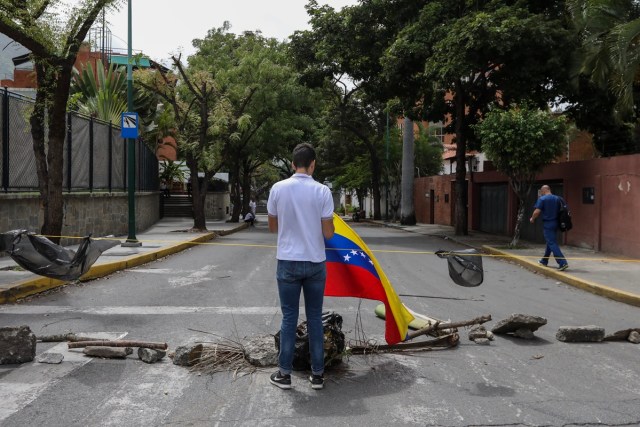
[[533, 232], [493, 208]]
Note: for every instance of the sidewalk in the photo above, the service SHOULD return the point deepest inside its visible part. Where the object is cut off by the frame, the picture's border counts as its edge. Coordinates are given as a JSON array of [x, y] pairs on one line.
[[166, 237], [608, 275]]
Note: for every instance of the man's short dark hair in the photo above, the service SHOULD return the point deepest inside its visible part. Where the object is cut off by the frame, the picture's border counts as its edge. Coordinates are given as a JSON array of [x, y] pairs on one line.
[[303, 155]]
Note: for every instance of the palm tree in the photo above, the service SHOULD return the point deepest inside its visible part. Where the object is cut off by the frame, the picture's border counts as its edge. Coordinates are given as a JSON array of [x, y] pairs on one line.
[[610, 54], [102, 94]]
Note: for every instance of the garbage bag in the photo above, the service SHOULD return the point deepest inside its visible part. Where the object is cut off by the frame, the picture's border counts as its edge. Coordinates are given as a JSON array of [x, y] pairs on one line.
[[334, 343], [43, 257], [465, 266]]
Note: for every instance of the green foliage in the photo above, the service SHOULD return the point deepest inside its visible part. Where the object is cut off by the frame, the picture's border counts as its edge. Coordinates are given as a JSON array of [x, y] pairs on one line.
[[521, 141], [171, 171], [102, 94]]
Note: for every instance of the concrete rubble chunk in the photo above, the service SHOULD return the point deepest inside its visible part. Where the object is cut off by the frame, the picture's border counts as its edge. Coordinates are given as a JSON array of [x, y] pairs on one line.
[[477, 332], [589, 333], [17, 345], [621, 335], [524, 333], [51, 358], [149, 355], [187, 355], [517, 323], [108, 352], [634, 337], [482, 341], [260, 351]]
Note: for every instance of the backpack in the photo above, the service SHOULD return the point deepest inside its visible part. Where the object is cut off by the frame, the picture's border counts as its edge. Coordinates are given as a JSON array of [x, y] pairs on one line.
[[564, 216]]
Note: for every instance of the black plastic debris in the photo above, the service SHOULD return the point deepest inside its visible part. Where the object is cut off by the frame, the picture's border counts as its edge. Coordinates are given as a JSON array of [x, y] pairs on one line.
[[43, 257], [334, 343], [465, 266]]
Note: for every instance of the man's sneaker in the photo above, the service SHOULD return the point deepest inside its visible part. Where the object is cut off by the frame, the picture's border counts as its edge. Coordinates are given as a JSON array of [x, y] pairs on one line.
[[563, 267], [542, 263], [317, 381], [280, 380]]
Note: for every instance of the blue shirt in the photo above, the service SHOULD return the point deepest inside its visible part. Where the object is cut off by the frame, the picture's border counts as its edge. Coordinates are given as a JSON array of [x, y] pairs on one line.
[[549, 205]]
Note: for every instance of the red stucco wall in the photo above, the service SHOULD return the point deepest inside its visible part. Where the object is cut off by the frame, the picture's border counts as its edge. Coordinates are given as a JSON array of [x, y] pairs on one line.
[[609, 224]]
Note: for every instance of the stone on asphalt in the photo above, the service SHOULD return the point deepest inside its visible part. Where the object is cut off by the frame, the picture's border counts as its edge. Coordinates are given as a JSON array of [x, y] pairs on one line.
[[634, 337], [518, 321], [589, 333], [482, 341], [260, 351], [17, 345], [108, 352], [477, 332], [51, 358], [524, 333], [149, 355], [187, 355], [621, 335]]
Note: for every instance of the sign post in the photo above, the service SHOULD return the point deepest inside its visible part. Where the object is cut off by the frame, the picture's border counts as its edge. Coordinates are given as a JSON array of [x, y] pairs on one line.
[[129, 128]]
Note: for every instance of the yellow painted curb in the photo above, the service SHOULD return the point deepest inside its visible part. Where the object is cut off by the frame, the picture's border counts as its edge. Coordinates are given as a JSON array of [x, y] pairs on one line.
[[595, 288], [25, 288]]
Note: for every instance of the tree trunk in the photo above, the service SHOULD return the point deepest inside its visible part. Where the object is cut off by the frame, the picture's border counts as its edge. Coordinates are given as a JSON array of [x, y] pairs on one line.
[[407, 211], [199, 221], [52, 201], [519, 218], [375, 183], [461, 219], [246, 187], [522, 187], [236, 197]]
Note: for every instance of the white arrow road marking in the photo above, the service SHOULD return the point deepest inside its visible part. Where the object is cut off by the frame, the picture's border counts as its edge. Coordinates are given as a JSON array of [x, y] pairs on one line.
[[23, 384]]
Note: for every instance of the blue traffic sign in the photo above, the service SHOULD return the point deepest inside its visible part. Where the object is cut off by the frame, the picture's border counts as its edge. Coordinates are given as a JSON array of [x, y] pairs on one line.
[[129, 125]]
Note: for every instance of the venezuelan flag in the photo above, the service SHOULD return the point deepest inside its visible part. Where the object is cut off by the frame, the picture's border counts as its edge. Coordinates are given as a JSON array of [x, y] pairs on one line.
[[353, 271]]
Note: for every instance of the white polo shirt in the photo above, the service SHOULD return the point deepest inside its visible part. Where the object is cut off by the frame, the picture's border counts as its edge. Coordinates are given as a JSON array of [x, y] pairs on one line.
[[300, 203]]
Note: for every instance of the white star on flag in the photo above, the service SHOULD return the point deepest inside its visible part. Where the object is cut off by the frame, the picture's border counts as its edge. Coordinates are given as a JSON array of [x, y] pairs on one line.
[[354, 252], [347, 257]]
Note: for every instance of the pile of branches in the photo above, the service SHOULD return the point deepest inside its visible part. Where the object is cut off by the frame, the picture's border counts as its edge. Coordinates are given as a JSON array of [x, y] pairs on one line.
[[224, 356]]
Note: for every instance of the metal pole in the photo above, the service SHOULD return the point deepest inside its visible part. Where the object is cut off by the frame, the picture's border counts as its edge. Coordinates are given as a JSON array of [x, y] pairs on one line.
[[386, 198], [5, 140], [131, 157]]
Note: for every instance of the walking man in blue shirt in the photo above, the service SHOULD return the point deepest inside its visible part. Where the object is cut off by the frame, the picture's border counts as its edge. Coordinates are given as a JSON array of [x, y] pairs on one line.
[[548, 205]]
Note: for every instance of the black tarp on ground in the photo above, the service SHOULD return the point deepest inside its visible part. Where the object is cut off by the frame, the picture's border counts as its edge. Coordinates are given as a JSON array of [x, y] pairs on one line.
[[43, 257], [465, 266]]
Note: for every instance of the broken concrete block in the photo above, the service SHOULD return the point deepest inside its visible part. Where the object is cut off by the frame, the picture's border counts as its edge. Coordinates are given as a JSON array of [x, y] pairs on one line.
[[477, 332], [149, 355], [260, 351], [621, 335], [634, 337], [108, 352], [17, 345], [482, 341], [518, 321], [187, 355], [590, 333], [51, 358], [524, 333]]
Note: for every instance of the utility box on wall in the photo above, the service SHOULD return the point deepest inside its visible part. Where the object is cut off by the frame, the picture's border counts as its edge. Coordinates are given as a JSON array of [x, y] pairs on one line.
[[588, 195]]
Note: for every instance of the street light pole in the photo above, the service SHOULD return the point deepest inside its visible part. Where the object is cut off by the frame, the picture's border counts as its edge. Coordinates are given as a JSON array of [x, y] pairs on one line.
[[131, 148]]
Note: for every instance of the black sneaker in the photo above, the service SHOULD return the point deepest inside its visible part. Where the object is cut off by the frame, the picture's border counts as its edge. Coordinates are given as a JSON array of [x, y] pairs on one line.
[[317, 381], [280, 380], [542, 263], [563, 267]]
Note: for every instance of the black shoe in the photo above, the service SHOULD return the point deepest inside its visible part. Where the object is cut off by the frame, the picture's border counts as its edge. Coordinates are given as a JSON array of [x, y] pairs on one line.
[[542, 263], [280, 380], [563, 267], [317, 381]]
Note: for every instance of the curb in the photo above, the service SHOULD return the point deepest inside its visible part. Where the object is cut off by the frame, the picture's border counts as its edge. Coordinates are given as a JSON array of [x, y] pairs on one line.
[[595, 288], [25, 288]]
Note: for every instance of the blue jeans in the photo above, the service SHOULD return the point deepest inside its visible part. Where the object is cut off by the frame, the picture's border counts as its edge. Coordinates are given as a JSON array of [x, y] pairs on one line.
[[550, 231], [308, 277]]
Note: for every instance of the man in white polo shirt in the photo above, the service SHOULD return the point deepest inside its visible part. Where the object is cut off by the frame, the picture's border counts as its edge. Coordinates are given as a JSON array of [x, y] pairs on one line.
[[301, 212]]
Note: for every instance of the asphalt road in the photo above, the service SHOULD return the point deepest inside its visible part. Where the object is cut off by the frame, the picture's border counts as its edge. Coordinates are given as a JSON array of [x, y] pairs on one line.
[[228, 289]]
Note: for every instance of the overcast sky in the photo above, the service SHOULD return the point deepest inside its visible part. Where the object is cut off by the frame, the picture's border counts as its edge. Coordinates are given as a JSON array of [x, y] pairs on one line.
[[163, 27]]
